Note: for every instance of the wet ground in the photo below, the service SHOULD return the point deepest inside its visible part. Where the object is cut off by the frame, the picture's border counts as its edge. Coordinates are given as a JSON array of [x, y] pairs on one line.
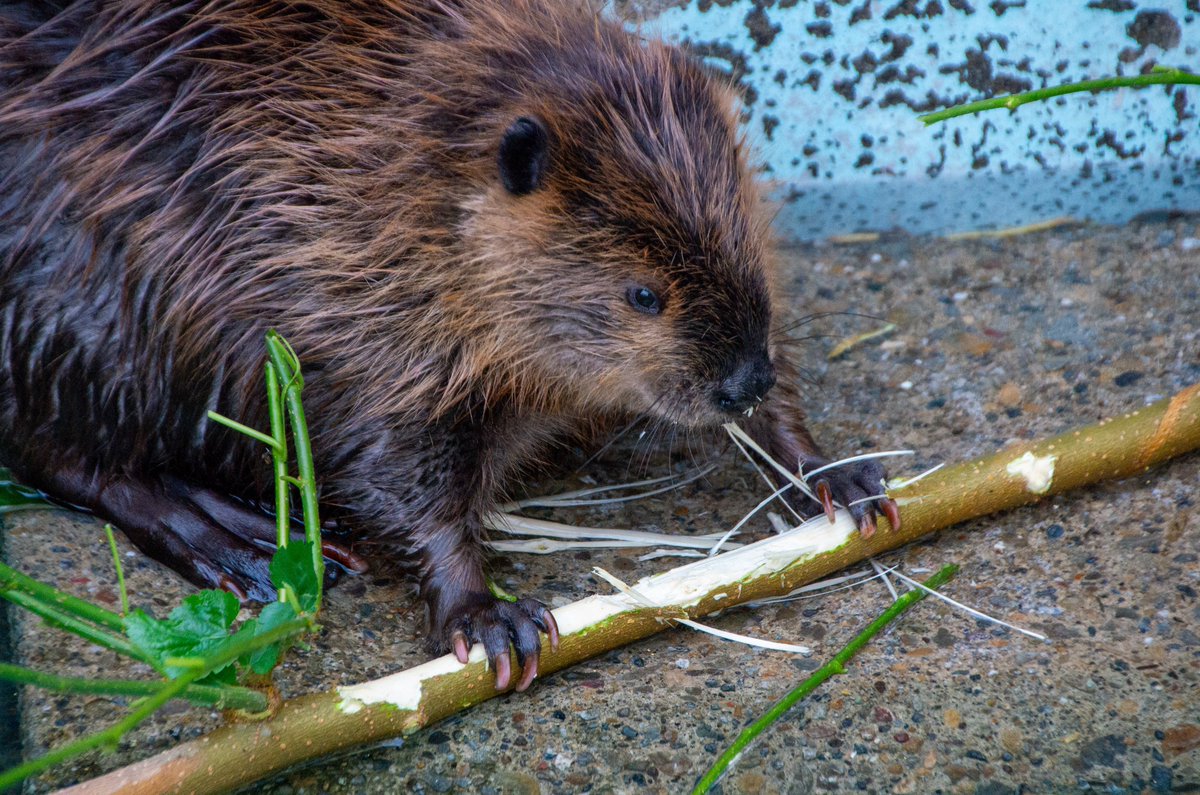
[[997, 340]]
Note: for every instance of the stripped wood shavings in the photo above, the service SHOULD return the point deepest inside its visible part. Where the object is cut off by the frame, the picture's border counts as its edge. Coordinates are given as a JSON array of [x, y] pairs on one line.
[[883, 575], [549, 546], [895, 485], [725, 538], [559, 537], [853, 458], [1015, 231], [1037, 471], [523, 525], [761, 643], [822, 588], [970, 610], [671, 553], [851, 238], [739, 435], [582, 497], [777, 523], [850, 343]]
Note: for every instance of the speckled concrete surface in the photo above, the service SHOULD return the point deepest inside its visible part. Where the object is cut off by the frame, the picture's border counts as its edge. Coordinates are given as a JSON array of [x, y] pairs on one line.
[[997, 340], [832, 91]]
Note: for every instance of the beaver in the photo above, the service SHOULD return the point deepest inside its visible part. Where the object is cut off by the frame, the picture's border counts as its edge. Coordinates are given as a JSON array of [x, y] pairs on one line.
[[482, 225]]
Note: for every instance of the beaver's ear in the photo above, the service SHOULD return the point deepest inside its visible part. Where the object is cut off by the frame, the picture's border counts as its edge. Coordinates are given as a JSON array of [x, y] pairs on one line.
[[523, 156]]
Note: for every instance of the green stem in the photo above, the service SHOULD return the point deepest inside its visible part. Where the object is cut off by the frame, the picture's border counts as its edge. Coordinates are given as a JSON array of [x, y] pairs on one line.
[[1014, 101], [112, 544], [279, 458], [835, 666], [279, 461], [221, 419], [288, 367], [499, 592], [173, 689], [72, 623], [230, 697], [13, 580], [288, 594]]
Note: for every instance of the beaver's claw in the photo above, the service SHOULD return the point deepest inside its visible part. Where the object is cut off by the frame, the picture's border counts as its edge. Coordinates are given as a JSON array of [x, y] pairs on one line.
[[499, 624], [857, 485]]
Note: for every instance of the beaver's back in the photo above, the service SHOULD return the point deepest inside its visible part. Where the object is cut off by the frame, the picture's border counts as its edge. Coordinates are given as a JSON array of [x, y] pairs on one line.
[[160, 172]]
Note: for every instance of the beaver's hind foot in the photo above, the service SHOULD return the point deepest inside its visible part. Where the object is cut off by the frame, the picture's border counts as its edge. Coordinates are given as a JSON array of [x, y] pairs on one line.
[[212, 540]]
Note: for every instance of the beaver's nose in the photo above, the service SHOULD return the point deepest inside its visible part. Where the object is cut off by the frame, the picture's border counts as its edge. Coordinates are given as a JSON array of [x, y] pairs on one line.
[[746, 386]]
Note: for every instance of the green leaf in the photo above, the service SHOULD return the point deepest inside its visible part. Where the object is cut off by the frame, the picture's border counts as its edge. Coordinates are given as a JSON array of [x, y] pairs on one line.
[[293, 565], [15, 497], [198, 628], [265, 659], [226, 675]]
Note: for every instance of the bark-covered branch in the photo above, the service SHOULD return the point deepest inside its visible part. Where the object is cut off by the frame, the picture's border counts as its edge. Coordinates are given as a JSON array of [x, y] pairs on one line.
[[349, 716]]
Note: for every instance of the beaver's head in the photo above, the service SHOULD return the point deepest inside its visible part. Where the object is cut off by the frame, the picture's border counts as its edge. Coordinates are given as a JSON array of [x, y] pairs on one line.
[[617, 232]]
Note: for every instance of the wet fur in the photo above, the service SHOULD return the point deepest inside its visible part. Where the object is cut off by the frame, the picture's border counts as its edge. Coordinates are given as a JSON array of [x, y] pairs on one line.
[[178, 179]]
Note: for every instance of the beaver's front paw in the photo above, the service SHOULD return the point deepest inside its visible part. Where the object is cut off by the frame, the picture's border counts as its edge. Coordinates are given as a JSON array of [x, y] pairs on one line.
[[858, 486], [497, 624]]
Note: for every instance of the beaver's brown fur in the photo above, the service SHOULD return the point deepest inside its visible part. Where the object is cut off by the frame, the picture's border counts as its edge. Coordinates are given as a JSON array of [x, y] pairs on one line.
[[480, 224]]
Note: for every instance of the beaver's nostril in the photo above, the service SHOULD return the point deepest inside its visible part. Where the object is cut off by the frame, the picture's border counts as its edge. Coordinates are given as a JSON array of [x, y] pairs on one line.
[[746, 387], [764, 380]]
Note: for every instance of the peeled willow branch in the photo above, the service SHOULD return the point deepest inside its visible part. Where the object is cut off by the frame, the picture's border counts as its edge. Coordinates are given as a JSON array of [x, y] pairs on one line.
[[317, 725]]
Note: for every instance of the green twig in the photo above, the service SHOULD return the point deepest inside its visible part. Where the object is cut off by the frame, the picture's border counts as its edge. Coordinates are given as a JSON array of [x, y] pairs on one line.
[[288, 367], [835, 666], [221, 419], [72, 623], [173, 689], [12, 580], [223, 697], [279, 463], [97, 625], [1160, 76], [112, 544], [288, 594], [279, 457], [499, 592]]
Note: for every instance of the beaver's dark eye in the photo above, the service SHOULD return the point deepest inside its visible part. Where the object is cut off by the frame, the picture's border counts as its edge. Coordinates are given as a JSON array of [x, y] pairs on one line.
[[523, 156], [643, 299]]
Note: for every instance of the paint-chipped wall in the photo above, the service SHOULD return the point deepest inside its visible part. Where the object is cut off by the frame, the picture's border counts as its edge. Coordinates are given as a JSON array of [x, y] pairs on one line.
[[832, 91]]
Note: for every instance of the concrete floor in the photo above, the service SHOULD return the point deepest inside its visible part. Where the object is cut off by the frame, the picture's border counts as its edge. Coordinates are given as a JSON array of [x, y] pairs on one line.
[[997, 340]]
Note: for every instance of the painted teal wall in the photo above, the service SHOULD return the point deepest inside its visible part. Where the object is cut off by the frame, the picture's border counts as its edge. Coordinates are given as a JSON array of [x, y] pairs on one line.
[[832, 92]]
